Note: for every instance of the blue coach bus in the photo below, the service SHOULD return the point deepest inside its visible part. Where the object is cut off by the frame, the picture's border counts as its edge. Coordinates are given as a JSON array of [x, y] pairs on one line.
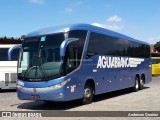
[[79, 61]]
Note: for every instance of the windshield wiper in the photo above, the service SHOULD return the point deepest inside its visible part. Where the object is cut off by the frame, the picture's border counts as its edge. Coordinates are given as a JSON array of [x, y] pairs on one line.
[[26, 72], [29, 68], [41, 68], [38, 63]]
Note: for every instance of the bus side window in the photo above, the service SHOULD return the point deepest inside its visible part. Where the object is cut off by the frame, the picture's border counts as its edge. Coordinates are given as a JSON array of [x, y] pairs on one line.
[[74, 50], [3, 54]]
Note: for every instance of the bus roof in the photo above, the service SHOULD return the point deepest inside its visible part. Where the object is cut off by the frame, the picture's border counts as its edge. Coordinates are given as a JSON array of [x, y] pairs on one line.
[[88, 27], [7, 45]]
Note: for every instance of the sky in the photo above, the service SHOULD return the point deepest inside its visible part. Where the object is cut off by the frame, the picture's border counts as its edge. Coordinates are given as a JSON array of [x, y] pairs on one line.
[[139, 19]]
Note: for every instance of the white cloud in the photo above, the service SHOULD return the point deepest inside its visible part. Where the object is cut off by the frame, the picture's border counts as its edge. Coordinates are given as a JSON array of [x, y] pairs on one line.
[[37, 1], [68, 10], [113, 23], [115, 26], [99, 25], [114, 18], [153, 40], [109, 26]]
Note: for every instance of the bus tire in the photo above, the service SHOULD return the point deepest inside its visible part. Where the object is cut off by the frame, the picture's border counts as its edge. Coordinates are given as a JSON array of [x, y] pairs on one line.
[[136, 86], [141, 84], [88, 94]]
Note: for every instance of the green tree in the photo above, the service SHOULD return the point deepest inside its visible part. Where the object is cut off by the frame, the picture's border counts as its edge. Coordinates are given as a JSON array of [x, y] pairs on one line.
[[22, 37], [157, 46]]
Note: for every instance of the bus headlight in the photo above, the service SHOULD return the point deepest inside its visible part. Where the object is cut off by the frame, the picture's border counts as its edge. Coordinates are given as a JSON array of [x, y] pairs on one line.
[[61, 84], [20, 84]]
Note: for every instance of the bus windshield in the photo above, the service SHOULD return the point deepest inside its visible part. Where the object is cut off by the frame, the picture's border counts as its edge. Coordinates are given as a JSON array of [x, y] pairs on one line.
[[40, 58]]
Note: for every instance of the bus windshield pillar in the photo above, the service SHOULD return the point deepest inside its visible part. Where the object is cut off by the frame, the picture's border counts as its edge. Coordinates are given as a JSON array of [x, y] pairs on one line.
[[64, 45]]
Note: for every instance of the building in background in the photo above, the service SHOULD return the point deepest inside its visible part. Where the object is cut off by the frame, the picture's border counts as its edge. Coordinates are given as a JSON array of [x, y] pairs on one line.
[[153, 50], [10, 40]]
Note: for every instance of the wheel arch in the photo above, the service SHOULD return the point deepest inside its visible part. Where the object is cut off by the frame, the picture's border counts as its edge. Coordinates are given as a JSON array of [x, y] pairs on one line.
[[138, 76], [92, 83], [143, 77]]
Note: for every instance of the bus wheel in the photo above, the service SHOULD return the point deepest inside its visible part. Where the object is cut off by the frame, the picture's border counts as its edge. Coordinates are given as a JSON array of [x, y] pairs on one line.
[[136, 86], [141, 84], [88, 94]]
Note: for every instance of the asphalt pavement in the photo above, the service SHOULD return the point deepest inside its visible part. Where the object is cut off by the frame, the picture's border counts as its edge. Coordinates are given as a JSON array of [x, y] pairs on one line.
[[147, 99]]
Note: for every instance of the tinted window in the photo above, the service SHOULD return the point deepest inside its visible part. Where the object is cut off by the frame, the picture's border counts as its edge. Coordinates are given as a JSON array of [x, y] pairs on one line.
[[138, 50], [4, 54], [50, 48], [106, 45], [40, 57], [100, 44], [155, 61]]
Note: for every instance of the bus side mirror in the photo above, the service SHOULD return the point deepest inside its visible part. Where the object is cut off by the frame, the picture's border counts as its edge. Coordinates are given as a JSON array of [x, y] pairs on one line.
[[65, 44], [11, 50]]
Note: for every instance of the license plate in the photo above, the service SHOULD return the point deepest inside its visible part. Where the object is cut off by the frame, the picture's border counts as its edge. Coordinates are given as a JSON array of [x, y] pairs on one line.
[[35, 96]]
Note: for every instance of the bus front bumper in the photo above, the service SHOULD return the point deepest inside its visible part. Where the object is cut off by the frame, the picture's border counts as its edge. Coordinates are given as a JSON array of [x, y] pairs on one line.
[[41, 94]]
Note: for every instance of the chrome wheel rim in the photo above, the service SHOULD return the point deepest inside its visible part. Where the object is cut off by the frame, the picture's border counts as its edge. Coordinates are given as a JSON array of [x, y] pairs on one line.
[[141, 82], [137, 86], [87, 93]]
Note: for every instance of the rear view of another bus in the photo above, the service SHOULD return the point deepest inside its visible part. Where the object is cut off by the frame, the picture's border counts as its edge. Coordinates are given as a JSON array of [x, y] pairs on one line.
[[156, 65], [8, 65]]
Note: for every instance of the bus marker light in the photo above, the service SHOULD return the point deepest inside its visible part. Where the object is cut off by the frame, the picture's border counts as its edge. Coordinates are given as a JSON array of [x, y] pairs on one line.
[[78, 85]]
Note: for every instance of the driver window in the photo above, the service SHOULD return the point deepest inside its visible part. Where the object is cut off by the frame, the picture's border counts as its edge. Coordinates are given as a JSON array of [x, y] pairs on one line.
[[75, 49], [74, 57]]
